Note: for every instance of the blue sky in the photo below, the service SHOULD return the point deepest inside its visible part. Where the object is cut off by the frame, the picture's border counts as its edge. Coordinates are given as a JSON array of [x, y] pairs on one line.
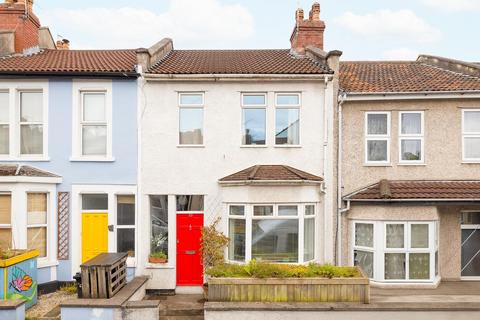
[[363, 30]]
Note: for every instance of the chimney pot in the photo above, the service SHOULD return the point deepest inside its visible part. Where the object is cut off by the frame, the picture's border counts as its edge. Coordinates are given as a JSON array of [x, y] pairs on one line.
[[315, 12], [299, 15], [308, 33], [63, 44]]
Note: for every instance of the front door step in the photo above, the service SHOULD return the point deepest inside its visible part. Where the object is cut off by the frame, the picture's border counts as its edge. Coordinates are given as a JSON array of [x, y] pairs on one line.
[[187, 306]]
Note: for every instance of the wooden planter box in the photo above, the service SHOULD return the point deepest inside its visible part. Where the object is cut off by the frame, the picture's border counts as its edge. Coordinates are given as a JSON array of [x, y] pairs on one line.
[[18, 277], [289, 290]]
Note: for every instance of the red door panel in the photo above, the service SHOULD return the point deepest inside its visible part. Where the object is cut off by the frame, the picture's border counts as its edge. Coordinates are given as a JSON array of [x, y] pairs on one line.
[[189, 258]]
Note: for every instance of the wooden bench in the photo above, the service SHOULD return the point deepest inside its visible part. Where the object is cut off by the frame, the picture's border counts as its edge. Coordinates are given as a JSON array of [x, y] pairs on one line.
[[104, 275]]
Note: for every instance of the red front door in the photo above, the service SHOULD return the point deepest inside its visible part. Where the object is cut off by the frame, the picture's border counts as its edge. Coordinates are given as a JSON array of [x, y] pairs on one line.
[[189, 258]]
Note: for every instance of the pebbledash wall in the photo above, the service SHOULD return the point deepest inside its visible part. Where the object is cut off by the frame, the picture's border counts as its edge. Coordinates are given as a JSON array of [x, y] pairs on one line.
[[118, 172], [168, 168]]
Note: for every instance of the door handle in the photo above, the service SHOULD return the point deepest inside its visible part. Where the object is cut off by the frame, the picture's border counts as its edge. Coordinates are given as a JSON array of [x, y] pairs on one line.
[[110, 228]]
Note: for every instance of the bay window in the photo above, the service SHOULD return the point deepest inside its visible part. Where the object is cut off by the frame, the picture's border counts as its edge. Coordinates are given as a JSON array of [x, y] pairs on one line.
[[411, 131], [31, 123], [471, 135], [396, 251], [4, 123], [254, 115], [287, 119], [282, 233], [377, 137], [37, 221], [5, 220], [191, 107]]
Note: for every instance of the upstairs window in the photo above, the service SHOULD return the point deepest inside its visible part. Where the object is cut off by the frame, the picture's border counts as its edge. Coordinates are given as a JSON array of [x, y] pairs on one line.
[[411, 133], [94, 124], [287, 119], [31, 123], [377, 137], [471, 135], [4, 123], [254, 114], [191, 118]]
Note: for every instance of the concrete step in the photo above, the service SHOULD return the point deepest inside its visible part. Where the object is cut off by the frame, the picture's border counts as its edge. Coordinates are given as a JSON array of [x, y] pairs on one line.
[[181, 306]]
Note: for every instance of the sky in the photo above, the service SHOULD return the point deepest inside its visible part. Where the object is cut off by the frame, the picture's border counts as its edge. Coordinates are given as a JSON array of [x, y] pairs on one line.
[[362, 29]]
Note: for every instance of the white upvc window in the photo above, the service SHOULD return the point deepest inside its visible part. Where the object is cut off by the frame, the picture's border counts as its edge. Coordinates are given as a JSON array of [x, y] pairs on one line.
[[125, 224], [403, 251], [92, 121], [4, 123], [6, 220], [282, 233], [377, 138], [254, 118], [191, 118], [37, 222], [411, 137], [471, 135], [30, 119], [287, 119]]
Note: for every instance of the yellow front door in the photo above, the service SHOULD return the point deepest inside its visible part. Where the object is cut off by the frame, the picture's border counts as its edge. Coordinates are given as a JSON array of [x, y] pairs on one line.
[[94, 234]]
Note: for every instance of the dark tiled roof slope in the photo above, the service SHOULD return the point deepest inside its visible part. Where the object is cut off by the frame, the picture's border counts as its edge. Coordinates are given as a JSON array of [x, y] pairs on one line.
[[10, 170], [271, 173], [402, 76], [418, 190], [74, 61], [237, 62]]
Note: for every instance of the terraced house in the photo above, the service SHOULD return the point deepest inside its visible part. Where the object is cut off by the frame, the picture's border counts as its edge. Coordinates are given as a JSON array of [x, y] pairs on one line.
[[409, 168], [68, 147]]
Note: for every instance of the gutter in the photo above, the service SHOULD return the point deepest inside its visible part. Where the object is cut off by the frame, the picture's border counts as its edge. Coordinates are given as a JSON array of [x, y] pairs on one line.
[[365, 96], [70, 74], [234, 77]]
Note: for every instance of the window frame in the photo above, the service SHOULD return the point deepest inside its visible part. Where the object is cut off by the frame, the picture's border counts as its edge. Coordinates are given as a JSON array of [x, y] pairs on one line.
[[417, 136], [134, 226], [380, 249], [297, 107], [10, 225], [466, 135], [263, 107], [83, 123], [190, 212], [249, 218], [80, 88], [43, 225], [8, 123], [191, 106], [377, 137]]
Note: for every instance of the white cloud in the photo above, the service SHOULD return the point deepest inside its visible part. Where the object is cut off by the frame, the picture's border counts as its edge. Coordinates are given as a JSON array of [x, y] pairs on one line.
[[191, 23], [400, 54], [454, 5], [402, 25]]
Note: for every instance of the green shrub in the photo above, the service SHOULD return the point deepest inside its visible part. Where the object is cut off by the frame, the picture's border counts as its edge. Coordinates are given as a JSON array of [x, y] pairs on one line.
[[158, 254], [69, 288], [261, 270]]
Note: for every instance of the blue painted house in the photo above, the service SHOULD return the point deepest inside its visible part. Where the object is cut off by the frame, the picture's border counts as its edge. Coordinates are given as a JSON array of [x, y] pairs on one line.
[[68, 148]]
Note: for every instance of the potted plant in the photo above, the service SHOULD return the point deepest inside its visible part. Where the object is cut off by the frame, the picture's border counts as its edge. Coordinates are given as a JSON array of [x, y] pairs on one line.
[[158, 257], [213, 248]]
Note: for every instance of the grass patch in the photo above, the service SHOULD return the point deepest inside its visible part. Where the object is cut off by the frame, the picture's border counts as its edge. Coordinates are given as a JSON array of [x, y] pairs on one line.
[[70, 288], [261, 270]]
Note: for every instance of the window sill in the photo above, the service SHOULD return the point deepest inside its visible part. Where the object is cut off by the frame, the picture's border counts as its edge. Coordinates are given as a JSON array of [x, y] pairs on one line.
[[149, 265], [26, 159], [254, 146], [190, 146], [377, 165], [92, 159], [288, 146], [46, 264], [471, 162], [411, 164]]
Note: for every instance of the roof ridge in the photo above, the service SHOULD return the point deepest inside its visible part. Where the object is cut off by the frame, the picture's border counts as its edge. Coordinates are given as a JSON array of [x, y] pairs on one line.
[[292, 170]]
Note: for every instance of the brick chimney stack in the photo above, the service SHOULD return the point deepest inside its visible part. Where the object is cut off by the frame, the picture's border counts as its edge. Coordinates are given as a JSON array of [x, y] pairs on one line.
[[19, 27], [307, 32]]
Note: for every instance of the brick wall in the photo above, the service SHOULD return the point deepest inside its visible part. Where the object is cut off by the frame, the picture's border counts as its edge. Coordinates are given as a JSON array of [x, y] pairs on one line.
[[13, 17]]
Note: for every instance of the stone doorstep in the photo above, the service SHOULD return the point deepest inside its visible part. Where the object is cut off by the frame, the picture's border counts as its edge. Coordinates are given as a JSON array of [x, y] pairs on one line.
[[306, 306], [117, 301], [10, 304], [182, 306]]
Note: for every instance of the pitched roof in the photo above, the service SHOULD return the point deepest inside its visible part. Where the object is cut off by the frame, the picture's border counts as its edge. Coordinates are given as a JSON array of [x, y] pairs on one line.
[[11, 170], [402, 76], [398, 190], [237, 62], [271, 173], [71, 61]]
